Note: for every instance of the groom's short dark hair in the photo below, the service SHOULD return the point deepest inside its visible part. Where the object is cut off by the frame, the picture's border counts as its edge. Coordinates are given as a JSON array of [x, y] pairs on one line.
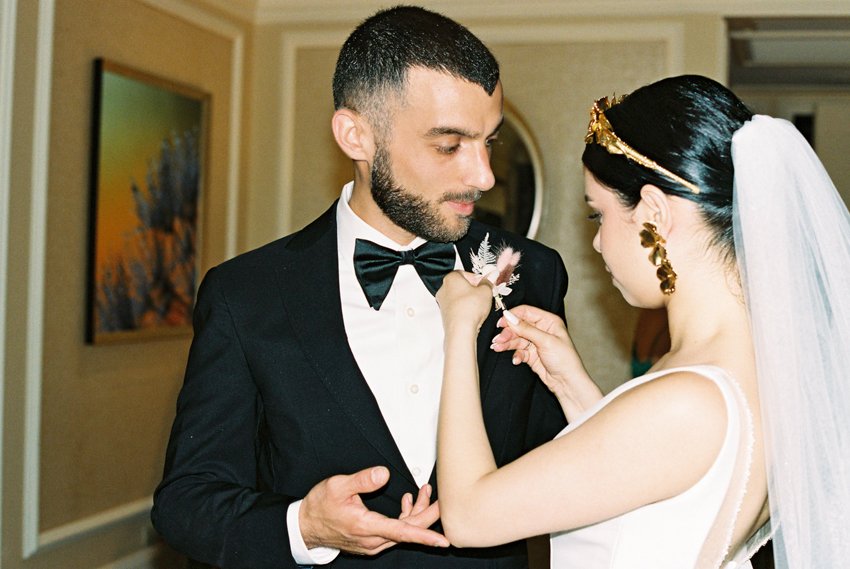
[[374, 60]]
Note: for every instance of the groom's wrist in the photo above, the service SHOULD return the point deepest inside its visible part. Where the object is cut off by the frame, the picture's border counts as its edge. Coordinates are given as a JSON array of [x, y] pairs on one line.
[[301, 552]]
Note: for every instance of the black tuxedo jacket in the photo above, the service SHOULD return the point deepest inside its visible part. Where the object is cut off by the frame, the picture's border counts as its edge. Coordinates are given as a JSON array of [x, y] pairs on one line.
[[273, 402]]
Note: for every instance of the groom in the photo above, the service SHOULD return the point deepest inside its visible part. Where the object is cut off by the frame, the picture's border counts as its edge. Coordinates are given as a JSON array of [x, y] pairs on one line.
[[307, 418]]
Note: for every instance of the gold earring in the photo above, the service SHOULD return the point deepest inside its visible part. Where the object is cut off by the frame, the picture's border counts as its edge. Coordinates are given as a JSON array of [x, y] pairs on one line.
[[650, 239]]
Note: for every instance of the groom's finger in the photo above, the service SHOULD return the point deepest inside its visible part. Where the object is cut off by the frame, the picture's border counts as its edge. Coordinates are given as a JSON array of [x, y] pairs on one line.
[[423, 499], [406, 532], [426, 517], [406, 505], [364, 481]]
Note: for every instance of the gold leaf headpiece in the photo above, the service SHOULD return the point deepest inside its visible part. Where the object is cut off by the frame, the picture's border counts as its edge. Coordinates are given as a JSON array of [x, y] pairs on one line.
[[600, 131]]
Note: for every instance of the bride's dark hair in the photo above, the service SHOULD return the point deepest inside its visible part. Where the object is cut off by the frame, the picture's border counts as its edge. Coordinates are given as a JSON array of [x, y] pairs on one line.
[[685, 124]]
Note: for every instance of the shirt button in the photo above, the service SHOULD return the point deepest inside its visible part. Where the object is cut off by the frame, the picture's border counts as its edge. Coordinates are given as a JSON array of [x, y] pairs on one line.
[[411, 312], [414, 389]]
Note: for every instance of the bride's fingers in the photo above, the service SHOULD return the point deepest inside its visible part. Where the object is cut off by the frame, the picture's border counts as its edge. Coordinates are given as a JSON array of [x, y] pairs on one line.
[[510, 339], [501, 344], [533, 320], [525, 355], [504, 336], [504, 343], [540, 319], [530, 314], [471, 278], [524, 350], [528, 331]]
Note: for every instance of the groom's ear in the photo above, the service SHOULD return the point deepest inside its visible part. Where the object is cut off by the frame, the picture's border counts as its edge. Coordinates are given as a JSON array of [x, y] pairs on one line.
[[353, 134], [654, 206]]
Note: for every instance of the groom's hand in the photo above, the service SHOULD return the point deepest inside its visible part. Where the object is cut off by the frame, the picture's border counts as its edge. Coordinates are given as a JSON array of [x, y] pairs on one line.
[[333, 515]]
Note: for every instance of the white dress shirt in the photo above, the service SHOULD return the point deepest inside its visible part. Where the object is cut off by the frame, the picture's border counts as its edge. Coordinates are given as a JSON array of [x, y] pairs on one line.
[[399, 350]]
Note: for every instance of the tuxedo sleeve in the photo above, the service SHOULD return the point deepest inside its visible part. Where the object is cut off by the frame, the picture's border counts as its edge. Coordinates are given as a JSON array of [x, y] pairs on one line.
[[209, 505], [547, 418]]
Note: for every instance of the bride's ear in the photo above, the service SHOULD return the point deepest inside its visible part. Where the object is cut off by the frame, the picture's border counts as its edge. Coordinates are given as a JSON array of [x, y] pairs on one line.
[[655, 207], [353, 134]]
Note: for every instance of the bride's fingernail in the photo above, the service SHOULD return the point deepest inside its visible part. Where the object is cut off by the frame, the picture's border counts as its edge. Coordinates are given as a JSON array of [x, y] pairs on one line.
[[509, 316]]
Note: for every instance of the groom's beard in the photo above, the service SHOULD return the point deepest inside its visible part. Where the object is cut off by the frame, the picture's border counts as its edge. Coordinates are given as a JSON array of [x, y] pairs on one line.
[[411, 212]]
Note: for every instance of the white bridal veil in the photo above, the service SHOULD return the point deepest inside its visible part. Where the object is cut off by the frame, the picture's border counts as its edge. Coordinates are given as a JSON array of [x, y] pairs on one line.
[[792, 237]]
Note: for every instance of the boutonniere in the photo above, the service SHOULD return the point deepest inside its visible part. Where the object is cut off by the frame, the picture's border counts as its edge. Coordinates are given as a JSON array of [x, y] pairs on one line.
[[498, 267]]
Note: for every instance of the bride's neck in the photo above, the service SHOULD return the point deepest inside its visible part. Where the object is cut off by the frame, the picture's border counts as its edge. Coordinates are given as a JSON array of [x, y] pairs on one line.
[[708, 323]]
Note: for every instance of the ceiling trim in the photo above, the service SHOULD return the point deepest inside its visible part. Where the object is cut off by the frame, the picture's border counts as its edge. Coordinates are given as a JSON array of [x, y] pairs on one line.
[[303, 11]]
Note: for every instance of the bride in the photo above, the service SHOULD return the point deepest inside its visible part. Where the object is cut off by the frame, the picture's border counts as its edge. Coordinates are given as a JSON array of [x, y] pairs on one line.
[[738, 433]]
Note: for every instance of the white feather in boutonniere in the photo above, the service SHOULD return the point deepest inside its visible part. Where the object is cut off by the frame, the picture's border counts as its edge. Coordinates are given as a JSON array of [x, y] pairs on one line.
[[497, 267]]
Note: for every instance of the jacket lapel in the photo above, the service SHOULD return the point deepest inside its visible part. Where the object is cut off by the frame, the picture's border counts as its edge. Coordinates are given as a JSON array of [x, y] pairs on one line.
[[314, 309], [486, 357]]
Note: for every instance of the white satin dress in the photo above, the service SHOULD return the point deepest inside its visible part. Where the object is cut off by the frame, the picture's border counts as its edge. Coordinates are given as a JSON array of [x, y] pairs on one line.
[[669, 534]]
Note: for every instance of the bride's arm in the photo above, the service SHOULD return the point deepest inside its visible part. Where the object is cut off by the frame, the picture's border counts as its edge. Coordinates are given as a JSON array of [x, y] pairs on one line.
[[651, 443], [464, 308], [540, 339]]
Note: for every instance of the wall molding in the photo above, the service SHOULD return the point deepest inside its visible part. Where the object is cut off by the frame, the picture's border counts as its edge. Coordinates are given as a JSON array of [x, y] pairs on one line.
[[36, 272], [8, 15], [672, 34], [290, 44], [79, 529], [34, 540], [142, 559]]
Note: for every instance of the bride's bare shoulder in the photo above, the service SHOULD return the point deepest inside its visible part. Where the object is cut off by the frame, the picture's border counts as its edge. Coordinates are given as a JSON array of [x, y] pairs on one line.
[[684, 403]]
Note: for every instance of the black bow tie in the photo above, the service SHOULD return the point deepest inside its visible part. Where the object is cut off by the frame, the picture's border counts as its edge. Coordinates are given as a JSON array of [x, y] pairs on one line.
[[376, 266]]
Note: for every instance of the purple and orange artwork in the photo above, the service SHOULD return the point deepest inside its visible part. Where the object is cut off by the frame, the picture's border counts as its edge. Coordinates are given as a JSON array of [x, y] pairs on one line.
[[147, 176]]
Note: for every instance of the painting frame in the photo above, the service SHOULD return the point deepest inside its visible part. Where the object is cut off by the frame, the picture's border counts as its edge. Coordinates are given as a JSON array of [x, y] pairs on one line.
[[148, 161]]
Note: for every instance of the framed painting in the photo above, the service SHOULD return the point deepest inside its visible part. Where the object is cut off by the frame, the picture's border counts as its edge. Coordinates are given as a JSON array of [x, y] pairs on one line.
[[147, 178]]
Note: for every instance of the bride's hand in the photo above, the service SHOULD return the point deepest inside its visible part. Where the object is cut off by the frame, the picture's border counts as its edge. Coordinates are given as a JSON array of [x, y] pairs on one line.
[[541, 340], [464, 298]]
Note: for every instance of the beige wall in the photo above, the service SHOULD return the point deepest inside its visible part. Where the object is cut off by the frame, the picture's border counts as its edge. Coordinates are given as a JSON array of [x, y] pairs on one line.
[[831, 110], [552, 86], [84, 428], [107, 403]]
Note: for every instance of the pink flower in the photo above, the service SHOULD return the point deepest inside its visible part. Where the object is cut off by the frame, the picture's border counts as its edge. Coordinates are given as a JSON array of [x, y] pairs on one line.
[[498, 268]]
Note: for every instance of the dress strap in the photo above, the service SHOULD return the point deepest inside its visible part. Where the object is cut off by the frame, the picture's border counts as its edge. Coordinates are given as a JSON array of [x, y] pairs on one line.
[[715, 549]]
